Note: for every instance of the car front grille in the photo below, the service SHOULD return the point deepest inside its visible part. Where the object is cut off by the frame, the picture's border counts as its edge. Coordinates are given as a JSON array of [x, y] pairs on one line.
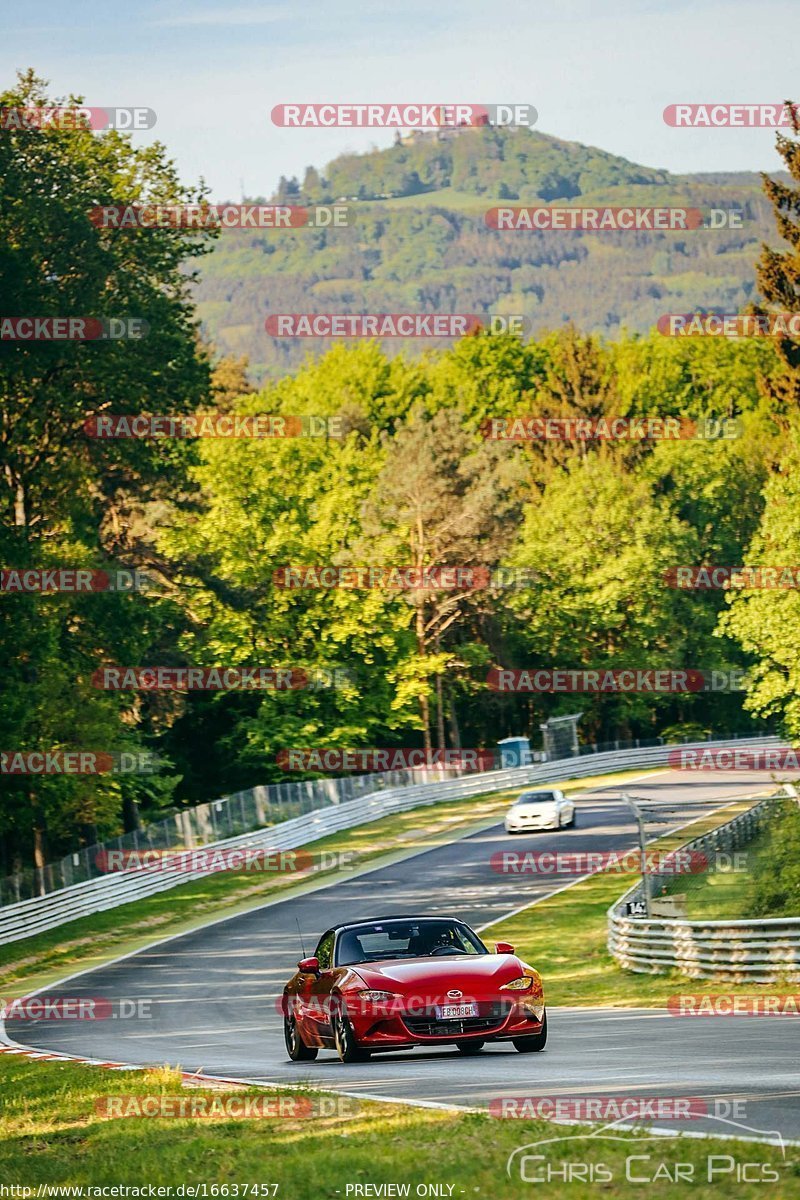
[[427, 1024]]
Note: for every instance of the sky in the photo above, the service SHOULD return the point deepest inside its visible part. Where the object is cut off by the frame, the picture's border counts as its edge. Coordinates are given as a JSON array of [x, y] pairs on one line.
[[599, 73]]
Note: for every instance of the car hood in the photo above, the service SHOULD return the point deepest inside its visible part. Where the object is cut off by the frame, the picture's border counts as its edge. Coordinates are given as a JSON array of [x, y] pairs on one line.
[[480, 971]]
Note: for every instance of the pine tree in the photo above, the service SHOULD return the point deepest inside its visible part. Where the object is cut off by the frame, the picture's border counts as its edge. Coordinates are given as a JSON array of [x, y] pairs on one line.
[[312, 185]]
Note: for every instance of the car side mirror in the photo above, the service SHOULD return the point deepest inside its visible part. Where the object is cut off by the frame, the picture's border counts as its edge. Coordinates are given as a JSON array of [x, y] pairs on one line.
[[309, 966], [503, 948]]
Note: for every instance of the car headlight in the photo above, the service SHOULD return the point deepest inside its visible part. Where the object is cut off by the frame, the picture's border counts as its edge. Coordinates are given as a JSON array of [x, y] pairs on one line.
[[523, 984], [376, 997]]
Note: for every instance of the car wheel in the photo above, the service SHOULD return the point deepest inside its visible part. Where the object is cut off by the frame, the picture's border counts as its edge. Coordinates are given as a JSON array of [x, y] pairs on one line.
[[529, 1045], [296, 1048], [470, 1047], [571, 821], [347, 1047]]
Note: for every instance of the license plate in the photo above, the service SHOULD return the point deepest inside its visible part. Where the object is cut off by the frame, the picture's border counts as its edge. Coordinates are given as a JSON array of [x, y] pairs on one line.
[[455, 1012]]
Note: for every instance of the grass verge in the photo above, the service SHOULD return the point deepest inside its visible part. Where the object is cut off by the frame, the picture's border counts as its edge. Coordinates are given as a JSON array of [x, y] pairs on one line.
[[565, 936], [727, 895], [41, 959], [52, 1134]]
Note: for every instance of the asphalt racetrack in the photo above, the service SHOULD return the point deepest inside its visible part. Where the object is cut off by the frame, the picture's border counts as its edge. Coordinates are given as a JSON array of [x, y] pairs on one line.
[[214, 991]]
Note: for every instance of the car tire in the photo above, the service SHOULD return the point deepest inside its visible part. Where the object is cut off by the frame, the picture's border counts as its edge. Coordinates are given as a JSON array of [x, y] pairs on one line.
[[344, 1038], [296, 1048], [571, 821], [530, 1045], [470, 1047]]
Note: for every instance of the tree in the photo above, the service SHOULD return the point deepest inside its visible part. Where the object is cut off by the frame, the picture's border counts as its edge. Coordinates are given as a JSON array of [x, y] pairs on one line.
[[600, 540], [54, 262], [294, 501], [312, 189], [778, 271], [766, 621], [66, 497], [443, 498]]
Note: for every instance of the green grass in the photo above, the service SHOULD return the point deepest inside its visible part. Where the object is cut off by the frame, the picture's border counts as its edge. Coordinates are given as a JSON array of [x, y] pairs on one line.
[[726, 895], [39, 960], [565, 935], [51, 1133]]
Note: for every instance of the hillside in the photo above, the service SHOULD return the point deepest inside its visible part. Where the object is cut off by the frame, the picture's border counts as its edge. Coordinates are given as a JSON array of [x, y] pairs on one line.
[[419, 242]]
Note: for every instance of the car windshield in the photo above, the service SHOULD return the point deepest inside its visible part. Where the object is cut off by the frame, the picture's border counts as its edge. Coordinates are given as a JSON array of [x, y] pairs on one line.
[[534, 798], [378, 940]]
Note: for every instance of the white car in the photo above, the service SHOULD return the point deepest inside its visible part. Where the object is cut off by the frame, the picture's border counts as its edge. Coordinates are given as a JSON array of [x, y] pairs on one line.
[[549, 809]]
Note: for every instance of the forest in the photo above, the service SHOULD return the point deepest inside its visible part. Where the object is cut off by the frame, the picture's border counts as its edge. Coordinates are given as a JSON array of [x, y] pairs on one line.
[[577, 540]]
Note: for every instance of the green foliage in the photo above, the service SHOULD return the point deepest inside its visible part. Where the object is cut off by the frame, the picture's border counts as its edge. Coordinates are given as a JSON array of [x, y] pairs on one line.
[[776, 870], [418, 241], [411, 481], [72, 500], [766, 621], [484, 161]]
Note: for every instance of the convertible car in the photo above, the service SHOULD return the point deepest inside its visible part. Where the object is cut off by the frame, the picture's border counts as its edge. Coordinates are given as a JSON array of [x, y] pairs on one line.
[[393, 983]]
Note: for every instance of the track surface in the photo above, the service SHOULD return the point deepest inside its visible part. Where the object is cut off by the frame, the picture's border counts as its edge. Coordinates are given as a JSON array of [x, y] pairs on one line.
[[214, 991]]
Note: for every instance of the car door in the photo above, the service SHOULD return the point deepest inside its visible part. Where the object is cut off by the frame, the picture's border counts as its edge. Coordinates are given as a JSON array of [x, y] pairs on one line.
[[566, 809], [317, 990]]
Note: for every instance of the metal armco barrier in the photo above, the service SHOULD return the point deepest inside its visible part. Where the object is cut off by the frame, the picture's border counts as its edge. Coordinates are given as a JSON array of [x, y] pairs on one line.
[[748, 951], [205, 824], [29, 917]]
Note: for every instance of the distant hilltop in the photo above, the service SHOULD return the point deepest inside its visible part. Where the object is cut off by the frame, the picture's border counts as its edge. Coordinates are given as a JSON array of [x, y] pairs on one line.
[[498, 160], [422, 240]]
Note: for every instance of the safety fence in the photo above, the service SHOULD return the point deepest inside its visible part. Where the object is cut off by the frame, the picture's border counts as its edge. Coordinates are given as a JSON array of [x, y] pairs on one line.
[[760, 950], [251, 809], [206, 824], [108, 890]]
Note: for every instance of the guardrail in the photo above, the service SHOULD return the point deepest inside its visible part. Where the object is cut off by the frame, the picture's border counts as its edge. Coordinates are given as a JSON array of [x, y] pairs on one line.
[[29, 917], [744, 951], [205, 824]]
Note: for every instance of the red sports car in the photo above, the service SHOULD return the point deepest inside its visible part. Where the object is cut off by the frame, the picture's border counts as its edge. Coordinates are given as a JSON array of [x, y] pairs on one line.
[[397, 982]]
